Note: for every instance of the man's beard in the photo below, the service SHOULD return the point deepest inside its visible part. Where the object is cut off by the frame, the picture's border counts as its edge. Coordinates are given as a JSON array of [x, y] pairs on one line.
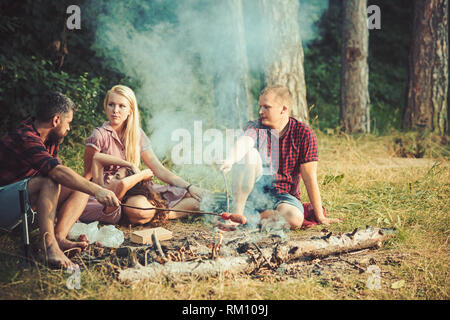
[[55, 137]]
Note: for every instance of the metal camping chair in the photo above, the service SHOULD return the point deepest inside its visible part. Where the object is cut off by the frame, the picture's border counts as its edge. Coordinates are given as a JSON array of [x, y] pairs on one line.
[[26, 212], [26, 235]]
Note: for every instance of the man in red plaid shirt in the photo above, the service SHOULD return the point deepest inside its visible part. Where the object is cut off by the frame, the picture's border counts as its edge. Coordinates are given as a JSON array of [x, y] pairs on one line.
[[274, 152], [29, 162]]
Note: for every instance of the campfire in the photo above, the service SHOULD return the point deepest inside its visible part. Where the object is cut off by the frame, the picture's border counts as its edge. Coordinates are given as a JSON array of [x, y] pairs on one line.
[[228, 248], [242, 251]]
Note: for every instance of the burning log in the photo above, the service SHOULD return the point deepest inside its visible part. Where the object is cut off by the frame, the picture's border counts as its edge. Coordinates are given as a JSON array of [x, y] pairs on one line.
[[319, 247]]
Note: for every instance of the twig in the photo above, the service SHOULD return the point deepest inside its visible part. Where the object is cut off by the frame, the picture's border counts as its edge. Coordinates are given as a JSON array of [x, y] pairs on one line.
[[157, 246], [45, 247], [361, 270], [213, 252], [145, 257], [71, 249], [358, 252], [265, 259], [353, 233]]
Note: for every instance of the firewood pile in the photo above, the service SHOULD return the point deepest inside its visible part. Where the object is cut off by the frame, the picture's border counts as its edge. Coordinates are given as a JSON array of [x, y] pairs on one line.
[[251, 252]]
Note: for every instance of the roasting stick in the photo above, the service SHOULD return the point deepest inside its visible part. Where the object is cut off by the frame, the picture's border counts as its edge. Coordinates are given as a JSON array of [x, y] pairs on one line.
[[226, 189], [225, 215], [167, 209]]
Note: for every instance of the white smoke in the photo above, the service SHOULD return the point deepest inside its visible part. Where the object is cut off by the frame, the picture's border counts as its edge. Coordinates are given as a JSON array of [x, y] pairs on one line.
[[179, 59]]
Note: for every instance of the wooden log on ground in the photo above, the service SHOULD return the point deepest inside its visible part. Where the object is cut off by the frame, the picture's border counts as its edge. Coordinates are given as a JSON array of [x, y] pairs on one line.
[[320, 247], [205, 268]]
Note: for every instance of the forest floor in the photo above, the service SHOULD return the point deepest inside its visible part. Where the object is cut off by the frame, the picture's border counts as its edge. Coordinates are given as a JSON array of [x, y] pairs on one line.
[[363, 180]]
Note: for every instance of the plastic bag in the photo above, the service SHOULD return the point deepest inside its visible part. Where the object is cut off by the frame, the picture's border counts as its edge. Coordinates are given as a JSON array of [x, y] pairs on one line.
[[90, 230], [108, 236]]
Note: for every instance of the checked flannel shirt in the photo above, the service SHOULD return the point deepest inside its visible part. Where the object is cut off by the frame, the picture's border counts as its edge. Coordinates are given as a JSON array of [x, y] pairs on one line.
[[296, 146], [24, 155]]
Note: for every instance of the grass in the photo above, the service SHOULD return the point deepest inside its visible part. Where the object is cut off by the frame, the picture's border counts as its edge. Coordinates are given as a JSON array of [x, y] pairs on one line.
[[362, 180]]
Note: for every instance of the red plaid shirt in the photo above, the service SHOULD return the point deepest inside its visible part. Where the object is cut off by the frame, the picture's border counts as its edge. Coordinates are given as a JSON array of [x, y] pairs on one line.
[[296, 146], [24, 155]]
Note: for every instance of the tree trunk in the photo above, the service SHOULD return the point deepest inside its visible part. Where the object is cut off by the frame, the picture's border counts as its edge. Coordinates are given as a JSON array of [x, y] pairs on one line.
[[354, 109], [426, 102], [231, 84], [283, 51]]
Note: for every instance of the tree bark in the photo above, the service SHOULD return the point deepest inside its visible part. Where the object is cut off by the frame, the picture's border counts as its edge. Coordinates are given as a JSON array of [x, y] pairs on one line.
[[426, 102], [231, 83], [283, 52], [355, 102]]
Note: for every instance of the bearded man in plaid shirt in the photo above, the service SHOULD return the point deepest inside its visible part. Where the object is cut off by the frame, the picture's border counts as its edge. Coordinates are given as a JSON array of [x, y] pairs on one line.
[[272, 155], [55, 193]]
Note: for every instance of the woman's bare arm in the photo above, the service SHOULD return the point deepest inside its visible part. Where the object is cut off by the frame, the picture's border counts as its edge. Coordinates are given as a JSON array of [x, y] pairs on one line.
[[129, 182], [89, 153], [120, 188]]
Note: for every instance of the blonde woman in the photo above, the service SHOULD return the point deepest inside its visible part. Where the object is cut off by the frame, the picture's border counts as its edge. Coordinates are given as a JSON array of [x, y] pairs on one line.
[[122, 136]]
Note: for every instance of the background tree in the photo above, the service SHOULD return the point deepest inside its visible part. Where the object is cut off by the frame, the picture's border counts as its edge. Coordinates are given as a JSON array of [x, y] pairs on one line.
[[426, 102], [354, 106], [231, 83], [283, 51]]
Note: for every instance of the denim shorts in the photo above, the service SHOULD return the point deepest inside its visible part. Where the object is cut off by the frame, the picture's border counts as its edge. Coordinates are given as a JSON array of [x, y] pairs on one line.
[[263, 197], [11, 214]]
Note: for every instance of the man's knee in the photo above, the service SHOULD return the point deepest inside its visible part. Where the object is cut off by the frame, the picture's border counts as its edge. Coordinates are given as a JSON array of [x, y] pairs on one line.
[[252, 161], [38, 185], [72, 198], [252, 157], [245, 172], [293, 215]]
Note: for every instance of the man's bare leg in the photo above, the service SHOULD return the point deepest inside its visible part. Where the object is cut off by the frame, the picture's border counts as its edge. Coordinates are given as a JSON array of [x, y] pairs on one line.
[[292, 215], [71, 205], [43, 194], [243, 179]]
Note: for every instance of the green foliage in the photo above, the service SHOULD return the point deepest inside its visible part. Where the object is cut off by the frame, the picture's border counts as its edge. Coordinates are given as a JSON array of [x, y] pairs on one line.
[[30, 65], [329, 178], [388, 63], [24, 78]]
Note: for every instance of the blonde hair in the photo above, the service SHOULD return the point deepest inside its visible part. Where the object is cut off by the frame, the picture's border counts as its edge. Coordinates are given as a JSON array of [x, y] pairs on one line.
[[282, 93], [131, 125]]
